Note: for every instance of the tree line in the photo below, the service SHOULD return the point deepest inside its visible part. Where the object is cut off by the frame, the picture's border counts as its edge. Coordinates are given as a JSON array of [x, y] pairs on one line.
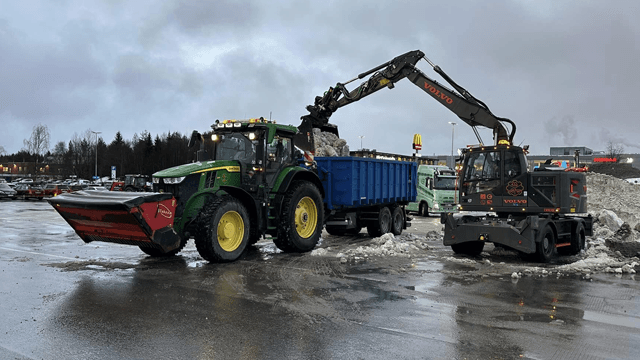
[[143, 154]]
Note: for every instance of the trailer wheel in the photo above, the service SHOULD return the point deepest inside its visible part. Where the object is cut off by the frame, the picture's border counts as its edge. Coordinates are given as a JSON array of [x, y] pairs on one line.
[[472, 248], [153, 252], [301, 219], [546, 246], [223, 230], [578, 239], [397, 221], [382, 225]]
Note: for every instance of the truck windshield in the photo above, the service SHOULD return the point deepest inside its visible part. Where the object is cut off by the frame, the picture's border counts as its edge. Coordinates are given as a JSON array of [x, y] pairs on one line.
[[235, 147], [445, 183]]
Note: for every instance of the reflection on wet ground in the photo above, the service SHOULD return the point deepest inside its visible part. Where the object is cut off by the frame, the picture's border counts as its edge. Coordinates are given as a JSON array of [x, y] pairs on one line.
[[112, 302]]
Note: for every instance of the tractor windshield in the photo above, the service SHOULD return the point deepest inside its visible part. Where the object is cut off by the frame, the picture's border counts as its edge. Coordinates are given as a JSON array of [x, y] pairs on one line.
[[235, 146]]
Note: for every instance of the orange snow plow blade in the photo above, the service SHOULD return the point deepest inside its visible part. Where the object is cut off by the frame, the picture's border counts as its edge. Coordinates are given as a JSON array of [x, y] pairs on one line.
[[141, 219]]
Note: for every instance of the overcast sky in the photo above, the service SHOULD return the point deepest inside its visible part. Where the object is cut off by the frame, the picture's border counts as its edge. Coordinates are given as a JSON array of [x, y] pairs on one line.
[[566, 72]]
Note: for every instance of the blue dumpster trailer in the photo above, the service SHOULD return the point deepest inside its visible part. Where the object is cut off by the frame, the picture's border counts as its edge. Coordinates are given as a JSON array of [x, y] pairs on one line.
[[363, 192]]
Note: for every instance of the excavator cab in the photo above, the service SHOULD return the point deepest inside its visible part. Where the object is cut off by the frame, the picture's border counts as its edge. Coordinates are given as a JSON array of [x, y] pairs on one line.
[[494, 179]]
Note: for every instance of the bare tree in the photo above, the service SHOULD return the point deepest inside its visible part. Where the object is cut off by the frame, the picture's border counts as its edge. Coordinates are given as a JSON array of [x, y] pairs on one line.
[[38, 143], [614, 150]]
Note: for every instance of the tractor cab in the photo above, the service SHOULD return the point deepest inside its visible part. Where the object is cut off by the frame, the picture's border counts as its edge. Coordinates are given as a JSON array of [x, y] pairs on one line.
[[262, 149]]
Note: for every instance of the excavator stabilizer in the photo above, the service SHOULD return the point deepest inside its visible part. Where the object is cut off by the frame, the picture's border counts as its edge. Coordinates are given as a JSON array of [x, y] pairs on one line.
[[144, 220]]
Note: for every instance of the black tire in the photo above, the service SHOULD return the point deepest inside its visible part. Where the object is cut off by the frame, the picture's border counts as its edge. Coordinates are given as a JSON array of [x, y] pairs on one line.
[[382, 225], [546, 245], [301, 218], [578, 239], [423, 210], [341, 231], [472, 248], [222, 232], [397, 220], [129, 189], [335, 230], [153, 252]]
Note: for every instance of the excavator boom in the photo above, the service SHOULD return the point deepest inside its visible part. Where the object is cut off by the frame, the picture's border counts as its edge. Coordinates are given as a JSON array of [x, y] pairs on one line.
[[469, 109]]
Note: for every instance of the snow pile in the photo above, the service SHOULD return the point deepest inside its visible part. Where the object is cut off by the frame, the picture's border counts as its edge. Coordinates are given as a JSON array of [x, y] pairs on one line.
[[610, 193], [404, 245], [328, 144]]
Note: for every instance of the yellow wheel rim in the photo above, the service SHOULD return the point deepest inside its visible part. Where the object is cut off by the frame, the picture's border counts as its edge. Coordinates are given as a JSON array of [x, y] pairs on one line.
[[230, 231], [306, 217]]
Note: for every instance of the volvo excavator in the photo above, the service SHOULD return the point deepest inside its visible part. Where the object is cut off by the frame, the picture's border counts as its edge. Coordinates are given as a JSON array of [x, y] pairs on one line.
[[540, 214]]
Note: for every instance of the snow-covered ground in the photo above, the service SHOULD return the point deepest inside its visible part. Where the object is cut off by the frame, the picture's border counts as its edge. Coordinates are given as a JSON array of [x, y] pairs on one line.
[[613, 248]]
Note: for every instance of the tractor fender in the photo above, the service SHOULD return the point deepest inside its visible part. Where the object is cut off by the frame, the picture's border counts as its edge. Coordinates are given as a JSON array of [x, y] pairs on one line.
[[285, 181], [296, 175]]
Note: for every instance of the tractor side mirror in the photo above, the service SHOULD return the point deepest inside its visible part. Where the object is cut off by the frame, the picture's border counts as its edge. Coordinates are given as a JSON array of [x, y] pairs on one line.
[[196, 139]]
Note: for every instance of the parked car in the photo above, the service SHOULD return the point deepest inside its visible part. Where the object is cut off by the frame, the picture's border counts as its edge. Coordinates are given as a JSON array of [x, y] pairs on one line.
[[6, 192], [54, 190], [96, 187], [26, 191]]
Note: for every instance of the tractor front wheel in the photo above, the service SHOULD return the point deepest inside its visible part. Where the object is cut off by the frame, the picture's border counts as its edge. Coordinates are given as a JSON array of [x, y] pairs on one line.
[[223, 230], [301, 218]]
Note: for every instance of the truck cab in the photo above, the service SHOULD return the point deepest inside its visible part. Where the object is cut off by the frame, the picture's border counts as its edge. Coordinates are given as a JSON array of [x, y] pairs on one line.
[[436, 190]]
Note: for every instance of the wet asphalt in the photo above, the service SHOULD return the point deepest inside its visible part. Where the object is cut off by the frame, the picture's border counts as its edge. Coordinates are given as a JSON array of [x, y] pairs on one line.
[[63, 299]]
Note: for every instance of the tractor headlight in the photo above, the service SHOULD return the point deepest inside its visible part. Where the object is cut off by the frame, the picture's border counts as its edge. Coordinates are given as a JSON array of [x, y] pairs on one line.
[[252, 136], [173, 180], [215, 137], [156, 180]]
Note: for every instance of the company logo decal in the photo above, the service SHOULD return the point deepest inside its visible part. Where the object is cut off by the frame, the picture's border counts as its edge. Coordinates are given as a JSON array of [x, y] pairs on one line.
[[438, 94], [164, 211], [514, 188], [515, 201]]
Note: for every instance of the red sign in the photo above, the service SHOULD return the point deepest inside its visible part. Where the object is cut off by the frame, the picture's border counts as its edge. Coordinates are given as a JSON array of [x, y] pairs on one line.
[[605, 160]]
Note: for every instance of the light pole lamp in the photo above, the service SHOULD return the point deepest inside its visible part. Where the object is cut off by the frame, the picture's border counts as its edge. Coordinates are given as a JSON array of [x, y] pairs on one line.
[[361, 136], [96, 132], [453, 126]]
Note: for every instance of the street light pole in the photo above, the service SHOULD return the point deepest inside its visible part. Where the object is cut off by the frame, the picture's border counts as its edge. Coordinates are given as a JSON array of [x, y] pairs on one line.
[[96, 132], [453, 126], [361, 136]]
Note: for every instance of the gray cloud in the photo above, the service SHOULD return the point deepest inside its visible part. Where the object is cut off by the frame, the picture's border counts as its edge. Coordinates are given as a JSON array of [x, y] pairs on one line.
[[178, 66]]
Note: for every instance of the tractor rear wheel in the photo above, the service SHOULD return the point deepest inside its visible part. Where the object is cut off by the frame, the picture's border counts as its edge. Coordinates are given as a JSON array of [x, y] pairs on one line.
[[301, 218], [223, 230]]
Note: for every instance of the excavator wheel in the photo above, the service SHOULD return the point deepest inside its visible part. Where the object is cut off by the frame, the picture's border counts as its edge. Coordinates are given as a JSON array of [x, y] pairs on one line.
[[301, 218], [223, 230], [382, 225], [578, 239], [546, 246]]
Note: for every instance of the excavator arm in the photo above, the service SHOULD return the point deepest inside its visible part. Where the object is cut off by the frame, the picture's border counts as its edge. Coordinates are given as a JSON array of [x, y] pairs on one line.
[[469, 109]]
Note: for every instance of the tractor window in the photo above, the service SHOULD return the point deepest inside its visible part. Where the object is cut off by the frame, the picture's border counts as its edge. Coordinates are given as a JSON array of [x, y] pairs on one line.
[[235, 147], [279, 150]]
